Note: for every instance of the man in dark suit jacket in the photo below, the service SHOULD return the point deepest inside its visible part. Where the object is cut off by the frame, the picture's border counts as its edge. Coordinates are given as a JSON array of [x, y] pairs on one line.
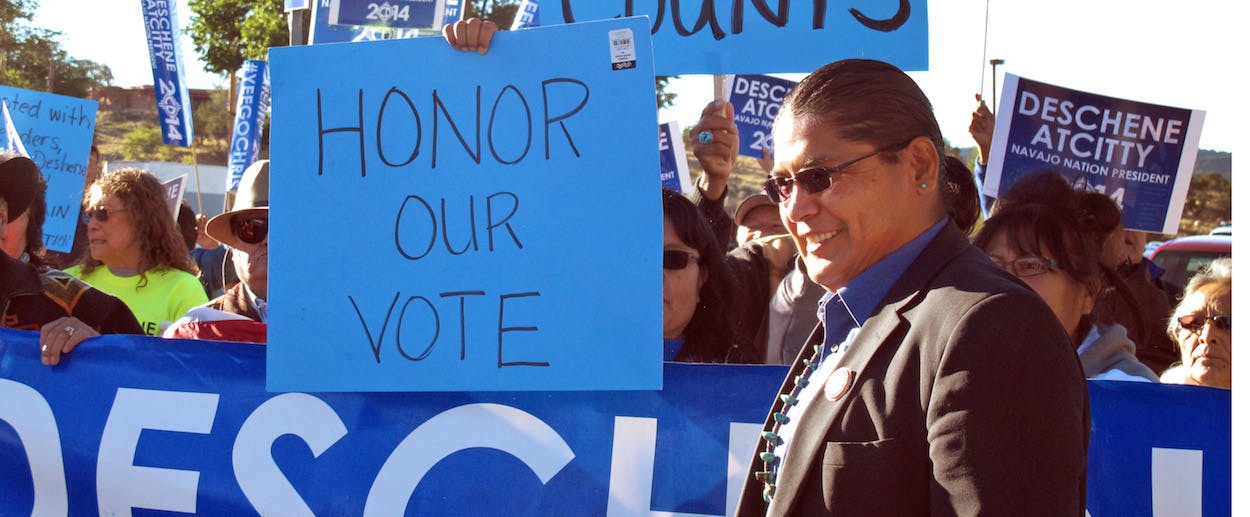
[[936, 384]]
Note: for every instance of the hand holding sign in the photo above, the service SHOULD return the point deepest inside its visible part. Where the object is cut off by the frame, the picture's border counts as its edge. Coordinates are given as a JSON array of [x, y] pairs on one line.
[[715, 145], [982, 129], [471, 34]]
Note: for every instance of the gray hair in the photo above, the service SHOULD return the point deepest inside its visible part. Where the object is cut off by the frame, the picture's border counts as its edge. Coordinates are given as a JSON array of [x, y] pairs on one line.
[[1218, 272]]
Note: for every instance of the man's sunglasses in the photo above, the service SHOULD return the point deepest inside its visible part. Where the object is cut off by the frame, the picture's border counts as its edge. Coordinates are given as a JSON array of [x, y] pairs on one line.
[[252, 230], [1195, 322], [678, 259], [817, 179], [99, 213]]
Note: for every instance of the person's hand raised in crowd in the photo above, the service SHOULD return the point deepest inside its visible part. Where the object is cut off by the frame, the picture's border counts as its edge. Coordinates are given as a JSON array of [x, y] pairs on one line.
[[473, 34], [61, 336], [982, 130], [765, 161], [714, 141], [201, 237], [779, 250]]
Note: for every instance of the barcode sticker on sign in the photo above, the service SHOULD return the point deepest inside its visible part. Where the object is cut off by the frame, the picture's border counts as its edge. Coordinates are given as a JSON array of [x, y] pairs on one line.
[[622, 45]]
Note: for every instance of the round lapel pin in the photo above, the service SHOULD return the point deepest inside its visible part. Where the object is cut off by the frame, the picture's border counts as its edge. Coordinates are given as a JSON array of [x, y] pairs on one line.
[[839, 383]]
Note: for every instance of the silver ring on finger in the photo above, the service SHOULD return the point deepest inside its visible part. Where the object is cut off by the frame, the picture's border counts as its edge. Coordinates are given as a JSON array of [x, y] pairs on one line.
[[70, 330]]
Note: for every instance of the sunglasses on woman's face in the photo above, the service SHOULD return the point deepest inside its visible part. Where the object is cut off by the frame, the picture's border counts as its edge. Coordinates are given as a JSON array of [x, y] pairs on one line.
[[100, 213], [252, 230], [678, 259], [1195, 322]]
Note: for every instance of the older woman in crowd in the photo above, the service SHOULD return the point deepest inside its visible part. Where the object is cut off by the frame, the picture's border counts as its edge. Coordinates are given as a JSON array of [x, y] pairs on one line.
[[1049, 236], [1203, 327], [136, 252]]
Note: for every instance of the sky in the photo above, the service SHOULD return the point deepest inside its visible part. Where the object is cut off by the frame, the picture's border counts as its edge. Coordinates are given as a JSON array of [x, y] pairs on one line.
[[1172, 53]]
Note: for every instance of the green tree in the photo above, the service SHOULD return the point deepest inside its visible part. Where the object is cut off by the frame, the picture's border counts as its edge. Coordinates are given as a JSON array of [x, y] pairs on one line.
[[212, 121], [145, 144], [228, 32], [32, 58], [1210, 201]]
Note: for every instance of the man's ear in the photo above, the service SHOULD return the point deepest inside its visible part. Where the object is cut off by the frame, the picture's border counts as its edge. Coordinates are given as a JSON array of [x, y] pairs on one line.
[[927, 161]]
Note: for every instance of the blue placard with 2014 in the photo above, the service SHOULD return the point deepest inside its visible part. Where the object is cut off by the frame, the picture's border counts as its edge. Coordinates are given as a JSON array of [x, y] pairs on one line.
[[1139, 154], [756, 100]]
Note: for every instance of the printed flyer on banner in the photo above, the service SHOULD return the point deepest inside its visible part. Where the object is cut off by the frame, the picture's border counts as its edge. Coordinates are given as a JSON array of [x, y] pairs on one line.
[[756, 100], [173, 101], [406, 14], [56, 132], [136, 424], [1141, 155], [739, 37], [443, 238], [674, 168]]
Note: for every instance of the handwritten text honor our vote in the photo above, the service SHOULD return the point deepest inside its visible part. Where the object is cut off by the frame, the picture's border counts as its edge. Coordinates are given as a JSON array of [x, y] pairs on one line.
[[421, 223], [1096, 133]]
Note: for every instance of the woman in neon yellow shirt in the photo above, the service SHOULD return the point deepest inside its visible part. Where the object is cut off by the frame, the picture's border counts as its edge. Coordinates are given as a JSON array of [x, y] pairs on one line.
[[136, 253]]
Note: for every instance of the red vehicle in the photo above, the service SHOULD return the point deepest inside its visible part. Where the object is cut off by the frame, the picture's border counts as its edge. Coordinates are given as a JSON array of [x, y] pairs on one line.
[[1185, 256]]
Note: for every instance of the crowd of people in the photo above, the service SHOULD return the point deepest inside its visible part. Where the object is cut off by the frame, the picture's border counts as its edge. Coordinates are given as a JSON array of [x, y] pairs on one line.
[[938, 338]]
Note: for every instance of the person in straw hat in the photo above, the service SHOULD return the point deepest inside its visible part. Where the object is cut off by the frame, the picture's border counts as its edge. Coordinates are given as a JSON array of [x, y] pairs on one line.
[[240, 313]]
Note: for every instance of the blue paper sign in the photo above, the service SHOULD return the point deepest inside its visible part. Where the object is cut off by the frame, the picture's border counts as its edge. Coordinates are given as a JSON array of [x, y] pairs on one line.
[[737, 37], [674, 168], [439, 232], [322, 31], [57, 132], [173, 101], [406, 14], [1141, 155], [756, 100], [291, 5], [134, 422], [249, 119]]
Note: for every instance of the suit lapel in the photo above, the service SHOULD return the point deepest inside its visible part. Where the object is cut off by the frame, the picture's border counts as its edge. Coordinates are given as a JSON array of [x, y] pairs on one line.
[[807, 446]]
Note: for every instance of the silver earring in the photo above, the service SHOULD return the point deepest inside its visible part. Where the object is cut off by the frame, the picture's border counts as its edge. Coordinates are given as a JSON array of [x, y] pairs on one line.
[[924, 185]]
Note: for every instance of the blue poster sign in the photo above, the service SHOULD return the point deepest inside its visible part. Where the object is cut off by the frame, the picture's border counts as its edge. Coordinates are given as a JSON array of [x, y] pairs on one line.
[[674, 168], [322, 31], [1141, 155], [139, 423], [173, 101], [459, 253], [756, 100], [737, 37], [405, 14], [57, 132], [249, 119]]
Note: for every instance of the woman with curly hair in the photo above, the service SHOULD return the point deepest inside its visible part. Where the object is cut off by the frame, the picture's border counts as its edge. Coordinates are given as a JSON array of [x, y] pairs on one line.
[[136, 253]]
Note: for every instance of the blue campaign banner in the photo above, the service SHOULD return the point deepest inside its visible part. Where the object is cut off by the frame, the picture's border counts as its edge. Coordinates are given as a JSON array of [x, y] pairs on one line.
[[756, 100], [57, 132], [173, 101], [322, 31], [526, 15], [674, 168], [135, 422], [406, 14], [1141, 155], [249, 119], [466, 253], [734, 37]]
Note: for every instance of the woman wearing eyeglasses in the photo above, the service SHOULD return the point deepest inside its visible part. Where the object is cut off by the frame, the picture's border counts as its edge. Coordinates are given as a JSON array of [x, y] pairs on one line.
[[697, 306], [1203, 328], [1046, 234], [136, 253]]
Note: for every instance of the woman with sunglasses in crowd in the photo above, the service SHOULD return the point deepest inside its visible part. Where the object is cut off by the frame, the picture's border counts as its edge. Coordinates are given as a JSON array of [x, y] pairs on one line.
[[136, 252], [1048, 235], [697, 290], [1203, 328]]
